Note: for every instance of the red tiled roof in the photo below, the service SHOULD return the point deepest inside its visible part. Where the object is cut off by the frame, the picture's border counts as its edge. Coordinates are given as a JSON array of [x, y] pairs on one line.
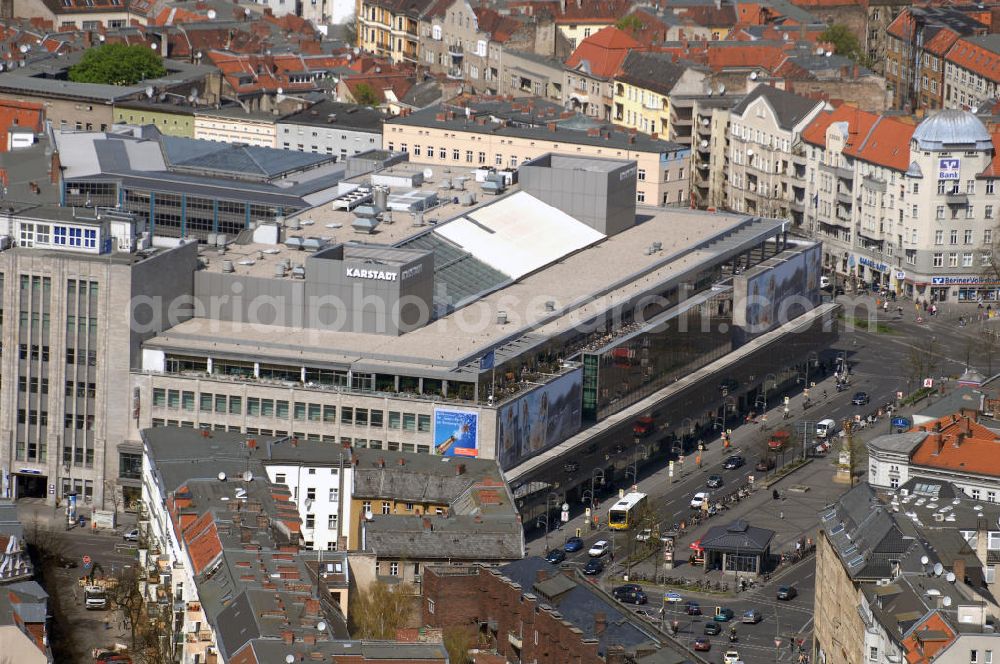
[[941, 42], [500, 28], [993, 169], [922, 650], [19, 114], [977, 59], [603, 51], [872, 138], [202, 540], [976, 453], [593, 11]]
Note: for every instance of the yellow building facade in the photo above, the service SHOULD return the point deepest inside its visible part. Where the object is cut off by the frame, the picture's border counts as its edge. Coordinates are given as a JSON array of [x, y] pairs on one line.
[[171, 122], [640, 108], [389, 30]]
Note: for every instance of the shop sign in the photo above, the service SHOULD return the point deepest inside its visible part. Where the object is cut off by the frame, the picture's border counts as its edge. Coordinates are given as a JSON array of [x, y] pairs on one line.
[[964, 281], [878, 267], [948, 169]]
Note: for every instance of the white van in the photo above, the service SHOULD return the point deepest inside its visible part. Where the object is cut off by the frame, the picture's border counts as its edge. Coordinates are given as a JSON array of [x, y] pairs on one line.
[[826, 428]]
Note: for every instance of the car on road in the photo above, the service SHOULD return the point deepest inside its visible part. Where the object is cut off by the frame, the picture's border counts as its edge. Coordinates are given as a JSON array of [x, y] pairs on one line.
[[573, 544], [131, 535], [786, 593], [112, 657], [671, 597], [593, 567], [731, 657], [751, 617], [702, 644], [728, 385], [714, 481], [599, 548], [692, 609], [699, 499], [765, 464], [779, 440], [630, 593], [643, 427], [644, 535], [860, 399], [556, 556], [571, 467], [734, 461], [723, 614], [713, 628], [826, 428]]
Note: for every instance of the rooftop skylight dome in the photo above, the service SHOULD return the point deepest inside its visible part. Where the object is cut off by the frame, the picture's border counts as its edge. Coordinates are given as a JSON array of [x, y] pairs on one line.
[[952, 130]]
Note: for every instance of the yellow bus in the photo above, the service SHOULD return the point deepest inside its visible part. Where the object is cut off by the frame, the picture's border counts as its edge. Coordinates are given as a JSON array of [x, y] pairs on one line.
[[625, 513]]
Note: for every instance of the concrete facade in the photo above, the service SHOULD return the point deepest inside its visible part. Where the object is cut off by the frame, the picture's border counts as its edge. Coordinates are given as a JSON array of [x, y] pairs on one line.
[[234, 125], [453, 44], [839, 633], [528, 75], [331, 128]]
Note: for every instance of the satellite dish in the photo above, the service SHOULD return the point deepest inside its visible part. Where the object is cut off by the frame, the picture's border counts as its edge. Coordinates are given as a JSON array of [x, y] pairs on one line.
[[938, 569], [428, 173], [191, 99], [153, 46], [722, 88], [924, 560], [246, 12], [23, 48], [321, 626], [704, 121], [749, 152], [150, 91], [946, 600], [828, 53], [281, 91], [222, 477], [357, 50], [704, 143], [248, 476], [753, 76], [101, 38], [819, 51], [289, 658], [163, 96], [974, 109], [378, 70], [369, 516], [950, 577], [211, 14]]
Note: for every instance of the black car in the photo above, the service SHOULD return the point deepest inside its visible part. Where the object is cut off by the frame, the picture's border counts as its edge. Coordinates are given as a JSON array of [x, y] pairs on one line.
[[594, 566], [787, 592], [734, 461], [860, 398], [630, 593], [692, 609], [714, 481], [556, 556], [713, 628], [571, 466]]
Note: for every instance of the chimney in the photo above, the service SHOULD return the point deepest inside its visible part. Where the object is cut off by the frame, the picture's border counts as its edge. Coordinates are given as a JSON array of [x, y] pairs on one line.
[[600, 623], [541, 575], [958, 567], [428, 525], [856, 70], [460, 469], [344, 444], [287, 636], [959, 438], [654, 136], [402, 461], [551, 126], [938, 442], [381, 462], [616, 654], [55, 169], [967, 425], [252, 444]]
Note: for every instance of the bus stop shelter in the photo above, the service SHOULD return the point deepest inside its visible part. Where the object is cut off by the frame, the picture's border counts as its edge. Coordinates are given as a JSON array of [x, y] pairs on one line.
[[737, 548]]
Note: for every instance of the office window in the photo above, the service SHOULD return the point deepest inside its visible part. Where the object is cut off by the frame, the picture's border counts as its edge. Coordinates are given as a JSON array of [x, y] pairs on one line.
[[315, 412], [159, 397], [424, 423], [235, 405], [394, 419], [329, 413], [346, 415], [310, 520], [331, 521]]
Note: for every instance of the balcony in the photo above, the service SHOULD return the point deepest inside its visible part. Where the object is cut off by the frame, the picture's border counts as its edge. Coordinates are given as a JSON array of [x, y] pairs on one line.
[[955, 198], [839, 171], [456, 51], [874, 184], [845, 198], [515, 640], [798, 206], [455, 73]]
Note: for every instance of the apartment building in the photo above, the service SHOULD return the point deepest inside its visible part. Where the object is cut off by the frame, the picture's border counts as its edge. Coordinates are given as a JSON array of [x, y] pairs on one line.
[[235, 124], [767, 165], [70, 279], [526, 74], [972, 72], [588, 83], [912, 209], [710, 139], [331, 128], [390, 28], [466, 43], [83, 14], [644, 88]]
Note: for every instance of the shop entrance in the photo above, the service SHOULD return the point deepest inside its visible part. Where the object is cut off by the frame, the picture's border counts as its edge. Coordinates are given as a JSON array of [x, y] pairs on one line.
[[29, 486]]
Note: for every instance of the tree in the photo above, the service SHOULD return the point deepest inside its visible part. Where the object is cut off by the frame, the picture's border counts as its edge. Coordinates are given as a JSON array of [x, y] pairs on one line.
[[351, 31], [365, 94], [630, 23], [922, 361], [123, 594], [458, 641], [379, 612], [844, 41], [113, 494], [117, 64]]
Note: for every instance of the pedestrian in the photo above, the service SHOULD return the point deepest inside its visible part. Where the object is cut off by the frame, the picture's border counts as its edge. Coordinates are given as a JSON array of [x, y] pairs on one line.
[[885, 306], [781, 515], [791, 645]]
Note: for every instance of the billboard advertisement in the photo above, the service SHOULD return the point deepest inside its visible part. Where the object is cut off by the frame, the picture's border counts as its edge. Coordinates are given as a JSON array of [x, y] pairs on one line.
[[775, 294], [456, 432], [814, 270], [544, 417]]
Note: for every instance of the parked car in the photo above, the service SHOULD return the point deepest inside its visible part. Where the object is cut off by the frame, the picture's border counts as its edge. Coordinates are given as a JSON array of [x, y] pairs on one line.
[[66, 563], [714, 481], [571, 466], [702, 644], [643, 427], [644, 535], [860, 398], [671, 597], [734, 461], [593, 567], [131, 535], [765, 464], [556, 556], [699, 499], [712, 628], [630, 593], [599, 548], [728, 385], [786, 593], [751, 617], [692, 609], [573, 544], [723, 614]]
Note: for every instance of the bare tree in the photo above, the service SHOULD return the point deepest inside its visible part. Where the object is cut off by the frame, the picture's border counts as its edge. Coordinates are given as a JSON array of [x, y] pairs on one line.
[[923, 360], [458, 640], [113, 494], [124, 595], [379, 612]]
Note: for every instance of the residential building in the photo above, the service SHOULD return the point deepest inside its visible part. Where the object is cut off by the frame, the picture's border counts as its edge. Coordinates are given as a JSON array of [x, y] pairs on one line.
[[881, 15], [24, 610], [21, 124], [578, 19], [532, 611], [171, 119], [389, 28], [331, 128], [903, 576], [525, 74], [767, 166], [69, 285], [588, 82], [235, 124], [972, 72], [644, 87], [493, 132], [917, 42], [83, 14], [710, 150]]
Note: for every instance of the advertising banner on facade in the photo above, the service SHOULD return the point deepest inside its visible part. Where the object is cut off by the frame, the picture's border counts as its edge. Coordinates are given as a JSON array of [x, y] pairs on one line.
[[456, 432], [543, 417]]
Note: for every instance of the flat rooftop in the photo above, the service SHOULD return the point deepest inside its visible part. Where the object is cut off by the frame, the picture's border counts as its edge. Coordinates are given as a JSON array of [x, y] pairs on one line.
[[579, 292]]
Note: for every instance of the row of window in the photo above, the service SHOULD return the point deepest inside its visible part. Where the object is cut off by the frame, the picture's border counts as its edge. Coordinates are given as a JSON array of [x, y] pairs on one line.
[[967, 236]]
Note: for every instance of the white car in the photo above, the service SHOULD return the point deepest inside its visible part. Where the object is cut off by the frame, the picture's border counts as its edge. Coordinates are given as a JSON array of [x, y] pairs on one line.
[[645, 535], [599, 549], [699, 499], [731, 657]]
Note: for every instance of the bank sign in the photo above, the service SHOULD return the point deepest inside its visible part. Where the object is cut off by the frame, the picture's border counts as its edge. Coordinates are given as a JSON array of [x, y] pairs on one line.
[[948, 169], [963, 281]]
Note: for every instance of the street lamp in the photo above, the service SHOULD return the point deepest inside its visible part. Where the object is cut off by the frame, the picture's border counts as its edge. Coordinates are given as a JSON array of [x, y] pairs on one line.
[[762, 400], [595, 474], [545, 518]]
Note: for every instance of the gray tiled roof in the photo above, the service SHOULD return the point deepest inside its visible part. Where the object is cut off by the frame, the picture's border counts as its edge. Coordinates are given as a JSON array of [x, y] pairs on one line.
[[789, 108], [491, 539], [738, 536], [652, 71], [346, 116], [899, 443]]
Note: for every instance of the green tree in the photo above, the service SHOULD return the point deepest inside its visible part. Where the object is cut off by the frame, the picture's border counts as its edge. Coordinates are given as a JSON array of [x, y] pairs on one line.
[[844, 41], [365, 94], [630, 23], [378, 613], [117, 64]]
